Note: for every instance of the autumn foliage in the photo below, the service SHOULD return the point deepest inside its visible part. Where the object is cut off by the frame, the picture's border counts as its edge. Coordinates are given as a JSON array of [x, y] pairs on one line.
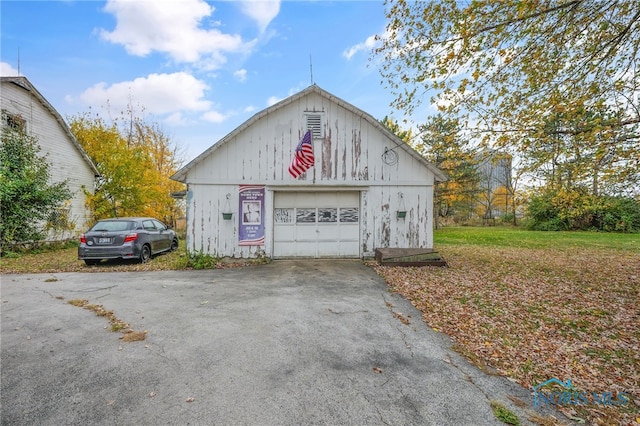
[[553, 84], [135, 161]]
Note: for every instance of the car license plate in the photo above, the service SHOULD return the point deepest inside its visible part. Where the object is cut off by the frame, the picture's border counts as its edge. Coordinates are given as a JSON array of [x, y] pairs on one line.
[[104, 240]]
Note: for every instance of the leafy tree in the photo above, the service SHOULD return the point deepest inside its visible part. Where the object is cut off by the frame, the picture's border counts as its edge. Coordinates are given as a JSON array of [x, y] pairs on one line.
[[163, 161], [441, 143], [27, 197], [392, 125], [600, 161], [507, 69], [502, 198], [135, 161]]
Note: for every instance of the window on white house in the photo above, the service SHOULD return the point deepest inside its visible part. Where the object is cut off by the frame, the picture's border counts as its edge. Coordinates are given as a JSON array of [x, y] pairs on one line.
[[14, 121], [60, 219]]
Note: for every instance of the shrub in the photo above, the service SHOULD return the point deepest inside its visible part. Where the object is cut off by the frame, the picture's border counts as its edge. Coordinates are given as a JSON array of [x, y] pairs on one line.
[[27, 197], [199, 260], [574, 210]]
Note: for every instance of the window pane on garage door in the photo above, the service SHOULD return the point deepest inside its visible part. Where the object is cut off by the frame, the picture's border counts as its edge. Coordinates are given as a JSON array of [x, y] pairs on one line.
[[305, 215], [349, 215], [327, 215]]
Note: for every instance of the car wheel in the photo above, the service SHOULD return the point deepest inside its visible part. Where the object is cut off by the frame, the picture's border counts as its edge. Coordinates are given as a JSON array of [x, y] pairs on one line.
[[174, 245], [91, 262], [145, 253]]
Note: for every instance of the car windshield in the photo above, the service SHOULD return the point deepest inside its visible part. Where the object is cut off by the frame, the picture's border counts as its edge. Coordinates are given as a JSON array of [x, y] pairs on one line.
[[113, 226]]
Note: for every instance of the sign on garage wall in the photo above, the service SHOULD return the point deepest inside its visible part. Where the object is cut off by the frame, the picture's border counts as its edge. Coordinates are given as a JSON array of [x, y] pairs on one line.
[[251, 217]]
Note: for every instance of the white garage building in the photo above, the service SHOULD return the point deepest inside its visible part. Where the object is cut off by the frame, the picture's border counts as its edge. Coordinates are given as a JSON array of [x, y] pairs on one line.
[[365, 190]]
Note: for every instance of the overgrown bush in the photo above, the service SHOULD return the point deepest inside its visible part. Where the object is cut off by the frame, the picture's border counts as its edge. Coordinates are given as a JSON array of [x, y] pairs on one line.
[[562, 210], [27, 197]]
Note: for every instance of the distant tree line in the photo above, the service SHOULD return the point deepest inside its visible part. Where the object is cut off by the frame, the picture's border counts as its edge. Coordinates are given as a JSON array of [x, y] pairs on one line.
[[484, 187]]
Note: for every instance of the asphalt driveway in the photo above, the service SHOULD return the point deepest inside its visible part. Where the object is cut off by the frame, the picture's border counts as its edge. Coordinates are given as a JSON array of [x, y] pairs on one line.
[[287, 343]]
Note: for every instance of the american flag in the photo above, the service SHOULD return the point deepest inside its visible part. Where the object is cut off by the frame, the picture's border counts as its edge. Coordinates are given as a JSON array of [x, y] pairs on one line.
[[303, 157]]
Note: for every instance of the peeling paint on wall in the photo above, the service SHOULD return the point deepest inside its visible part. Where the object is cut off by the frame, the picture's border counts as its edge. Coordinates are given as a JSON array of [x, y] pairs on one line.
[[326, 159], [385, 230], [275, 155], [356, 151]]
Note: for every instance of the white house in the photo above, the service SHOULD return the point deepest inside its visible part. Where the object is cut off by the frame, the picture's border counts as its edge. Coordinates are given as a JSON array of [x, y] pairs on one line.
[[365, 190], [23, 106]]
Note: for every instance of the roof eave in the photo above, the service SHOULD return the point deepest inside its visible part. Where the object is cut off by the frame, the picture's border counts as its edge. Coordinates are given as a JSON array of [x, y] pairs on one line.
[[26, 84]]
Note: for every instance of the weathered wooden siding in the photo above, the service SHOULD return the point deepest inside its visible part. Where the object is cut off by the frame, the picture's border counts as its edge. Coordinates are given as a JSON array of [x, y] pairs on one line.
[[384, 229], [66, 161], [380, 227], [208, 232], [349, 156], [350, 151]]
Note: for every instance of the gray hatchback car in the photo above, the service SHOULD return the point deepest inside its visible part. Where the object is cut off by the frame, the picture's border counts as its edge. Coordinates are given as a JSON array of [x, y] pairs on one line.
[[126, 238]]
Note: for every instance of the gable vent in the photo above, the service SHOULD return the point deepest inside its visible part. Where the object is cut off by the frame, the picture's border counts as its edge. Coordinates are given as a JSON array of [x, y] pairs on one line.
[[314, 123]]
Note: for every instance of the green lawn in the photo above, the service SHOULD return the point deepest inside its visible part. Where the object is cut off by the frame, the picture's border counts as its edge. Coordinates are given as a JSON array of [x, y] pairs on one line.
[[507, 236]]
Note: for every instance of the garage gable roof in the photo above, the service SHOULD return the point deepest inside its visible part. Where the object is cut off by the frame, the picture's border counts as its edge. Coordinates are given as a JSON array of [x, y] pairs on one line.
[[181, 174], [25, 84]]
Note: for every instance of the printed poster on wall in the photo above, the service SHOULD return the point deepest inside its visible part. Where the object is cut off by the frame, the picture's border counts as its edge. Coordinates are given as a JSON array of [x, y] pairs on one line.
[[251, 217]]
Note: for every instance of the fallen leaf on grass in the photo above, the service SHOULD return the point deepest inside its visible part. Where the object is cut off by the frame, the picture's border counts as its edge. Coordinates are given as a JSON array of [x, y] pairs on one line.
[[532, 314], [543, 420], [570, 416]]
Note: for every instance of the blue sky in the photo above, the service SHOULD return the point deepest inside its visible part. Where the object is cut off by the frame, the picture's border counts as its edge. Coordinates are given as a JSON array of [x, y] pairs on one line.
[[199, 69]]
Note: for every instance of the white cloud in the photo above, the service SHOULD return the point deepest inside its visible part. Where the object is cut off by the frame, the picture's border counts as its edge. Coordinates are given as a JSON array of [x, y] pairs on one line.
[[368, 44], [176, 119], [171, 27], [214, 117], [261, 11], [157, 94], [250, 108], [240, 75], [6, 70], [272, 100]]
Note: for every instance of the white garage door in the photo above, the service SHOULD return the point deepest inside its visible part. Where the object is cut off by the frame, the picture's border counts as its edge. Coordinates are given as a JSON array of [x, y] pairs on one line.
[[316, 224]]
